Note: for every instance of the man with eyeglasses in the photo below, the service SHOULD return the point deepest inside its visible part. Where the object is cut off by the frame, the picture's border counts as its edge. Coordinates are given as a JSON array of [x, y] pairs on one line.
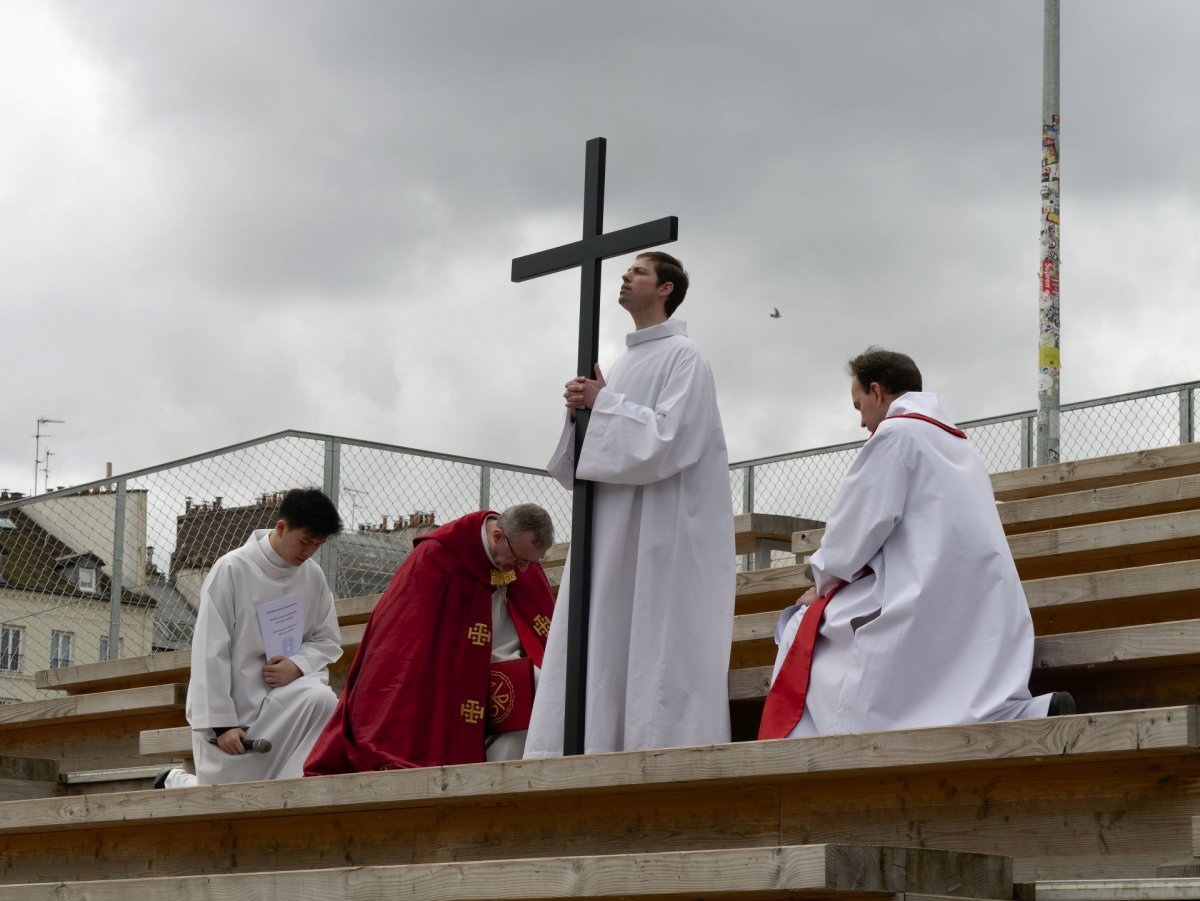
[[448, 664], [662, 583]]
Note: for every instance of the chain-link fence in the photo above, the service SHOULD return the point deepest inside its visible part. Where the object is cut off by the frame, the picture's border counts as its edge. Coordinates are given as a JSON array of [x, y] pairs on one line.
[[805, 483], [114, 568]]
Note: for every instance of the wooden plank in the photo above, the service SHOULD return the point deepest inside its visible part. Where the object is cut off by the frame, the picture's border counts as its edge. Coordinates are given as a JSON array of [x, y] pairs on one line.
[[1126, 648], [1098, 472], [1093, 547], [1082, 601], [1157, 889], [1092, 820], [92, 744], [1156, 644], [1170, 731], [770, 873], [175, 741], [1100, 504], [748, 528], [763, 590], [1058, 792], [123, 703]]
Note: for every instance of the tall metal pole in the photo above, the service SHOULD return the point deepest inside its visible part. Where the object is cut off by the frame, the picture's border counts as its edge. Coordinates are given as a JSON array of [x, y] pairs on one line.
[[1049, 362]]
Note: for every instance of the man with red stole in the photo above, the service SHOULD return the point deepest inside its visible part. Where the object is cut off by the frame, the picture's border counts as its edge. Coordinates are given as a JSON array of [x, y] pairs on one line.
[[447, 667], [917, 617]]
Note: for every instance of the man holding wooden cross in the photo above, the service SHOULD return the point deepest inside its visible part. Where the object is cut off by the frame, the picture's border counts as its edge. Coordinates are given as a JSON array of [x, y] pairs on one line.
[[917, 617], [662, 586]]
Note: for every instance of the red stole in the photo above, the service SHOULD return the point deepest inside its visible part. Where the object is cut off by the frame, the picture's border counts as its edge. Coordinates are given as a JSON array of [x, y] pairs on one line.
[[957, 433], [785, 700]]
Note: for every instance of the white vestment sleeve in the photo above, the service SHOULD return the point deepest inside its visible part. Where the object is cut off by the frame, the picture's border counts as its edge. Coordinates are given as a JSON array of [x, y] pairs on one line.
[[562, 462], [630, 444], [868, 506], [323, 644], [212, 668]]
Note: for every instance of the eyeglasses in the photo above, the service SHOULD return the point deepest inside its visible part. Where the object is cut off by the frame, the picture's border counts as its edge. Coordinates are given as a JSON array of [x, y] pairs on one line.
[[517, 561]]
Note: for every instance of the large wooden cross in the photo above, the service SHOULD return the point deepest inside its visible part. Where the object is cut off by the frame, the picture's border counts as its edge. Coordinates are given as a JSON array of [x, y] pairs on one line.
[[587, 253]]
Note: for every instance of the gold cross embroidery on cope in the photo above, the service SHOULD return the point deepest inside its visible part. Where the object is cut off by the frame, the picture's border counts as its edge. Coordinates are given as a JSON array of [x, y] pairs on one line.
[[541, 625], [471, 711], [479, 634]]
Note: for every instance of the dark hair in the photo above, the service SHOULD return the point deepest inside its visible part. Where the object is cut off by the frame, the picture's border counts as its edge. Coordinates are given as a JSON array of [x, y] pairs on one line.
[[669, 269], [896, 372], [309, 508]]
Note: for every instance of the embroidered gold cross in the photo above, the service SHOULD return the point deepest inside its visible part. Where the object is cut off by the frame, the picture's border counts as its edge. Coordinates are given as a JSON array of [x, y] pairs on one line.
[[479, 634], [541, 624], [471, 711]]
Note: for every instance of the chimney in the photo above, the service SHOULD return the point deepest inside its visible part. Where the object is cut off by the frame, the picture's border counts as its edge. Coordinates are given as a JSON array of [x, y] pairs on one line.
[[187, 506], [108, 470], [216, 504]]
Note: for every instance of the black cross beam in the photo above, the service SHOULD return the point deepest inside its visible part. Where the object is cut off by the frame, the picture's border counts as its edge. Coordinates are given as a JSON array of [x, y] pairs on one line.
[[587, 253]]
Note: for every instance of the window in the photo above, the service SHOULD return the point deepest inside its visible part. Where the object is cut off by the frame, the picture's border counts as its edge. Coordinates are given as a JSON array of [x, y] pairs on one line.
[[10, 649], [60, 649], [103, 650], [87, 579]]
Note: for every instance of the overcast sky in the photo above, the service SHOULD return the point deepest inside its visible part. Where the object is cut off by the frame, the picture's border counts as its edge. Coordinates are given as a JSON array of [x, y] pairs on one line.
[[223, 219]]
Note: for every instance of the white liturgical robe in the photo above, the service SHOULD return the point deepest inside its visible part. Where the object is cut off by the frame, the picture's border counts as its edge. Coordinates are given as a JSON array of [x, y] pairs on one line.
[[934, 628], [227, 686], [663, 558]]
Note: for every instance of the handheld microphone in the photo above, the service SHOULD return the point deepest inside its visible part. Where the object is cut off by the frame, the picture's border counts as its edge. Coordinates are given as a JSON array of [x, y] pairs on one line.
[[257, 745]]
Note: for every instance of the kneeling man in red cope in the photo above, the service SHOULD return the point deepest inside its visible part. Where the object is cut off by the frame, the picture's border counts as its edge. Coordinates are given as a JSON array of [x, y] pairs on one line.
[[917, 617], [447, 667]]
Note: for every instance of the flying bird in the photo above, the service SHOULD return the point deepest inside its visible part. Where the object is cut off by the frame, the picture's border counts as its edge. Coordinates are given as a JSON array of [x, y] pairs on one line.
[[775, 314]]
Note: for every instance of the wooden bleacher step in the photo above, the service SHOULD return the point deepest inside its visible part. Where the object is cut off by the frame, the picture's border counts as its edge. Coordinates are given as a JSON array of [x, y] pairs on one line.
[[781, 872], [89, 731], [1119, 544], [1127, 667], [1157, 889], [1078, 508], [1106, 794], [1098, 472], [27, 777]]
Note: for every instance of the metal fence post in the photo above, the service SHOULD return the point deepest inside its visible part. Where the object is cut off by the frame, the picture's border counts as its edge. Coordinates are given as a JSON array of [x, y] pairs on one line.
[[1187, 423], [749, 561], [118, 565], [485, 487], [332, 487], [1027, 425]]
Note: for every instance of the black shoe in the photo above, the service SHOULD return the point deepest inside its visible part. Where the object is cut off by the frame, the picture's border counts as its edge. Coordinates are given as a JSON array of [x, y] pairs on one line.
[[160, 781], [1062, 704]]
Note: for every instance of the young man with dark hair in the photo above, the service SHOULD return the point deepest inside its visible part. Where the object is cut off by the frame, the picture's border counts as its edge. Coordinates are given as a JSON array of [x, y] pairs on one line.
[[447, 667], [917, 617], [267, 594], [663, 555]]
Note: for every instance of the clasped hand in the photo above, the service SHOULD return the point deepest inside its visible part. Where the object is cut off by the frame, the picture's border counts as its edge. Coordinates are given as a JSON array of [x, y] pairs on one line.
[[581, 392], [280, 671]]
